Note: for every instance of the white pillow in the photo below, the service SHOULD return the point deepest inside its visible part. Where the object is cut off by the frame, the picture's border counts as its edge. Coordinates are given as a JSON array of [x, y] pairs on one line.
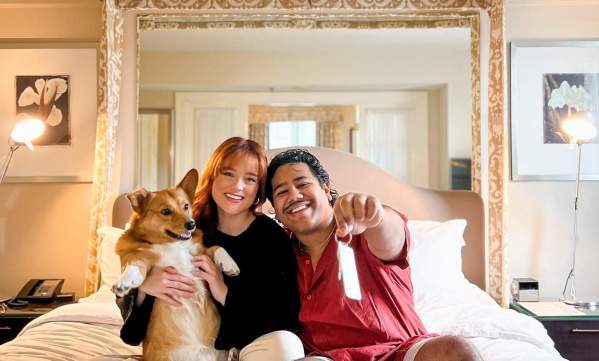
[[436, 256], [110, 263]]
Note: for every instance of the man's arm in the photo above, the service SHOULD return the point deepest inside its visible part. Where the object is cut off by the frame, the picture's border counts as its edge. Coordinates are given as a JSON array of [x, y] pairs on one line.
[[382, 226], [386, 241]]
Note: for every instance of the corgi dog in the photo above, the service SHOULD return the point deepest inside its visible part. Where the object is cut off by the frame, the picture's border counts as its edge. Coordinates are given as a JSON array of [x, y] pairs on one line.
[[162, 233]]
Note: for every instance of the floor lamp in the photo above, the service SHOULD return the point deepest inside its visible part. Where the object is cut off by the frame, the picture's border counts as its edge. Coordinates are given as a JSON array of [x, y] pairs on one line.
[[23, 133], [579, 131]]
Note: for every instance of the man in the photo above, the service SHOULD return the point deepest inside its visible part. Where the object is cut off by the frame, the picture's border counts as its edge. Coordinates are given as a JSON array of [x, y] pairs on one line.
[[383, 325]]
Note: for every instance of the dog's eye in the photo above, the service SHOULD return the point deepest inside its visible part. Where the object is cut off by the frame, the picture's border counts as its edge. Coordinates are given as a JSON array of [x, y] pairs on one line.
[[186, 206], [165, 211]]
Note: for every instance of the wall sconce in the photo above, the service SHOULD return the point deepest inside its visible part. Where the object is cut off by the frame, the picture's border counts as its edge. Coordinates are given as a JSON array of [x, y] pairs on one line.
[[23, 133]]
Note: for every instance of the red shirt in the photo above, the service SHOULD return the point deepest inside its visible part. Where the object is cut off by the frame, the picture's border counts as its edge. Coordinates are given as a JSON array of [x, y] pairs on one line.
[[376, 328]]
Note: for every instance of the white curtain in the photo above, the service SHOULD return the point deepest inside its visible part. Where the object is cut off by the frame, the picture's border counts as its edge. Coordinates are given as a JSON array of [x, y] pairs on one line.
[[384, 140]]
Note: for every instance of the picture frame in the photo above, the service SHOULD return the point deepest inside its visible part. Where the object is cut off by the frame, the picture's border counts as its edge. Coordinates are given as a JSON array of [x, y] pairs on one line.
[[539, 72], [32, 95], [353, 139], [68, 154]]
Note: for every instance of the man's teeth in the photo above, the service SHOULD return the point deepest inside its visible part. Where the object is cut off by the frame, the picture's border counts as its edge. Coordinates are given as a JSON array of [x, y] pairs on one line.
[[233, 196], [299, 208]]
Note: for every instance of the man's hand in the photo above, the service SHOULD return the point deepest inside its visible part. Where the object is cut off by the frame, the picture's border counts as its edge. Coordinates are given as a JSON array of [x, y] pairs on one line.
[[357, 212], [383, 227], [166, 284], [209, 272]]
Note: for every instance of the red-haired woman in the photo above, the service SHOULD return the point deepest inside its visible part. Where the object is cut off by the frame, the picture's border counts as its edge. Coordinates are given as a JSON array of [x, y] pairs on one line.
[[259, 307]]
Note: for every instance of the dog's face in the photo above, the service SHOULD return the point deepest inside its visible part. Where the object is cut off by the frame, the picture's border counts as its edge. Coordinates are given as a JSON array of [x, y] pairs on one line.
[[165, 216]]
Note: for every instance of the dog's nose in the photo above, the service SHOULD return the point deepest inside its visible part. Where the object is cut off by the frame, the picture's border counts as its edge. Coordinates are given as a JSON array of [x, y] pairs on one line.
[[190, 225]]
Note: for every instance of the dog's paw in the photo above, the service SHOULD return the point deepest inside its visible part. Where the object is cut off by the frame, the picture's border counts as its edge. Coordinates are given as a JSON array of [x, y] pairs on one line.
[[233, 355], [225, 262], [131, 278]]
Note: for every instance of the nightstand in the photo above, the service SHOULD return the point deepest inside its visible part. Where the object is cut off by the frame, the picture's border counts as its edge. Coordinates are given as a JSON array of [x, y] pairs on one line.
[[576, 337], [14, 319]]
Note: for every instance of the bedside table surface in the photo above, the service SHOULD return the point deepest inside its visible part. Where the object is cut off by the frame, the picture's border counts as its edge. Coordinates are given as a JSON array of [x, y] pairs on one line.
[[575, 336], [588, 313]]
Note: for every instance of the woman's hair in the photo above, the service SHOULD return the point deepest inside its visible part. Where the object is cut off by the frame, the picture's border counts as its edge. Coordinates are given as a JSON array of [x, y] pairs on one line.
[[204, 208], [297, 155]]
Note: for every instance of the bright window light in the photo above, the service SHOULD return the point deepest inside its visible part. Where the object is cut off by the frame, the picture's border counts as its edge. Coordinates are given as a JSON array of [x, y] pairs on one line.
[[292, 134]]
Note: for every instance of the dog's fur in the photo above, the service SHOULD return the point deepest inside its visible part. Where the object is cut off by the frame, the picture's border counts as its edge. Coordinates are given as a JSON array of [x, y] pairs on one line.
[[161, 233]]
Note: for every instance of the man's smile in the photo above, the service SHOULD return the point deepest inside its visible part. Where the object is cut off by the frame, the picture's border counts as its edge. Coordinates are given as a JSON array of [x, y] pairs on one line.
[[297, 207]]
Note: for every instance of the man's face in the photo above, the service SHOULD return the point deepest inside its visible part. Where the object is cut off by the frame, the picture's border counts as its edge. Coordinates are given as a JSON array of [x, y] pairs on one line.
[[300, 203]]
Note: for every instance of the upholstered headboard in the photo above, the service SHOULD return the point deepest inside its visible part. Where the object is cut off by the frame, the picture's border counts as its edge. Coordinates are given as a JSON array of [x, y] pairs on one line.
[[350, 173]]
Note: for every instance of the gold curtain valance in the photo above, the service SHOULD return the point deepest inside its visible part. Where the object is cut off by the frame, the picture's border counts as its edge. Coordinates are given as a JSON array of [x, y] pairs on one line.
[[262, 114]]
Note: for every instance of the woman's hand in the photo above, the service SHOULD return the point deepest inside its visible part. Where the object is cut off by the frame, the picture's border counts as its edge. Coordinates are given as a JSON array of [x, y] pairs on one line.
[[165, 284], [209, 272]]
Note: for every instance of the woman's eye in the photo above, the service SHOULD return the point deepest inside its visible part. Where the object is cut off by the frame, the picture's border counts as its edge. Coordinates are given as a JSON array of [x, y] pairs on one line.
[[186, 206], [251, 180], [228, 174], [166, 211]]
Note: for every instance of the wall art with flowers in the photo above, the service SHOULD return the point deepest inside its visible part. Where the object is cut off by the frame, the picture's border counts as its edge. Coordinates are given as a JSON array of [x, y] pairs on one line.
[[565, 95], [552, 81], [46, 97]]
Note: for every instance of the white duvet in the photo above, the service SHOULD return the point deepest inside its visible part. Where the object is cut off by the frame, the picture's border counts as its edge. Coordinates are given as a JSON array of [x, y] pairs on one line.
[[91, 327], [499, 334]]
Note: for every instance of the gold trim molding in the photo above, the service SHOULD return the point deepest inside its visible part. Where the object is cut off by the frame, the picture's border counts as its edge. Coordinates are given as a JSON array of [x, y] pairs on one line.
[[302, 4], [315, 14]]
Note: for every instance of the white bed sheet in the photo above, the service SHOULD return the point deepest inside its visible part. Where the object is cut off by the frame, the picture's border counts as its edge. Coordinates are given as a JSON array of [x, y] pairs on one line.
[[91, 327]]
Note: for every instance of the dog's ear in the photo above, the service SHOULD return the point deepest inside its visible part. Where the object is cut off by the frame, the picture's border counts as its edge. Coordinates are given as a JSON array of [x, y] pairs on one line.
[[189, 183], [139, 199]]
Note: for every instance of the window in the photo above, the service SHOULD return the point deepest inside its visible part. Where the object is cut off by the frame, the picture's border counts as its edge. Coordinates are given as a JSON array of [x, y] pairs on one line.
[[291, 134]]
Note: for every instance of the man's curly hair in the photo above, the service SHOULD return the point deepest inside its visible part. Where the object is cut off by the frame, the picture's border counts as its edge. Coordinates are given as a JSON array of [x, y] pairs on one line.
[[298, 155]]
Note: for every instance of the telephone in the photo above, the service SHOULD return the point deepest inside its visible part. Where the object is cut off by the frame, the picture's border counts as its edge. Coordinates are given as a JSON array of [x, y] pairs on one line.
[[40, 290]]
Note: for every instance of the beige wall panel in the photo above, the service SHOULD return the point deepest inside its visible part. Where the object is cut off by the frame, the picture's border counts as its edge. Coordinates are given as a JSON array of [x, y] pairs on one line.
[[44, 226]]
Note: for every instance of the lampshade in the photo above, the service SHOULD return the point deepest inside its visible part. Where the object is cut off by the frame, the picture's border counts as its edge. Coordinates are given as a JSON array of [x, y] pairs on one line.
[[27, 130], [579, 129]]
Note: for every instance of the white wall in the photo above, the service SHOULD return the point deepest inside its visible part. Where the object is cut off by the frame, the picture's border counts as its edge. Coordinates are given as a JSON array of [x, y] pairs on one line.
[[539, 224]]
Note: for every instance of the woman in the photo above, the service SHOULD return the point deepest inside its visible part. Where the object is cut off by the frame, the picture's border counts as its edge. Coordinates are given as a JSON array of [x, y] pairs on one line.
[[259, 307]]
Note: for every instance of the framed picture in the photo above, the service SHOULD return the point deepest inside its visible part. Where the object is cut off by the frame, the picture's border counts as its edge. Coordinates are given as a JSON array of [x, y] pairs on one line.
[[550, 81], [45, 97], [56, 83]]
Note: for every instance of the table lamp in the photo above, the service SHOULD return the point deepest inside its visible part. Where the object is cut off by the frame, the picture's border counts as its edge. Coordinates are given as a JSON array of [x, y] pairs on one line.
[[24, 132], [579, 131]]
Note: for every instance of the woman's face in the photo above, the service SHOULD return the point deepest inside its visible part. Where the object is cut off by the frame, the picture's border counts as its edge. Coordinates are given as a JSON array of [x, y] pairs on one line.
[[235, 187]]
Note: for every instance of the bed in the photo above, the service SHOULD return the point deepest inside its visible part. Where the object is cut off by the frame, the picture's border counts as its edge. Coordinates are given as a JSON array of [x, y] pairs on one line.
[[447, 259]]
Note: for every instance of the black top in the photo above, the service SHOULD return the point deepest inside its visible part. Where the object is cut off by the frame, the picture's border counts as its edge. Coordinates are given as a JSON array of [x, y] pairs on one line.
[[261, 299]]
